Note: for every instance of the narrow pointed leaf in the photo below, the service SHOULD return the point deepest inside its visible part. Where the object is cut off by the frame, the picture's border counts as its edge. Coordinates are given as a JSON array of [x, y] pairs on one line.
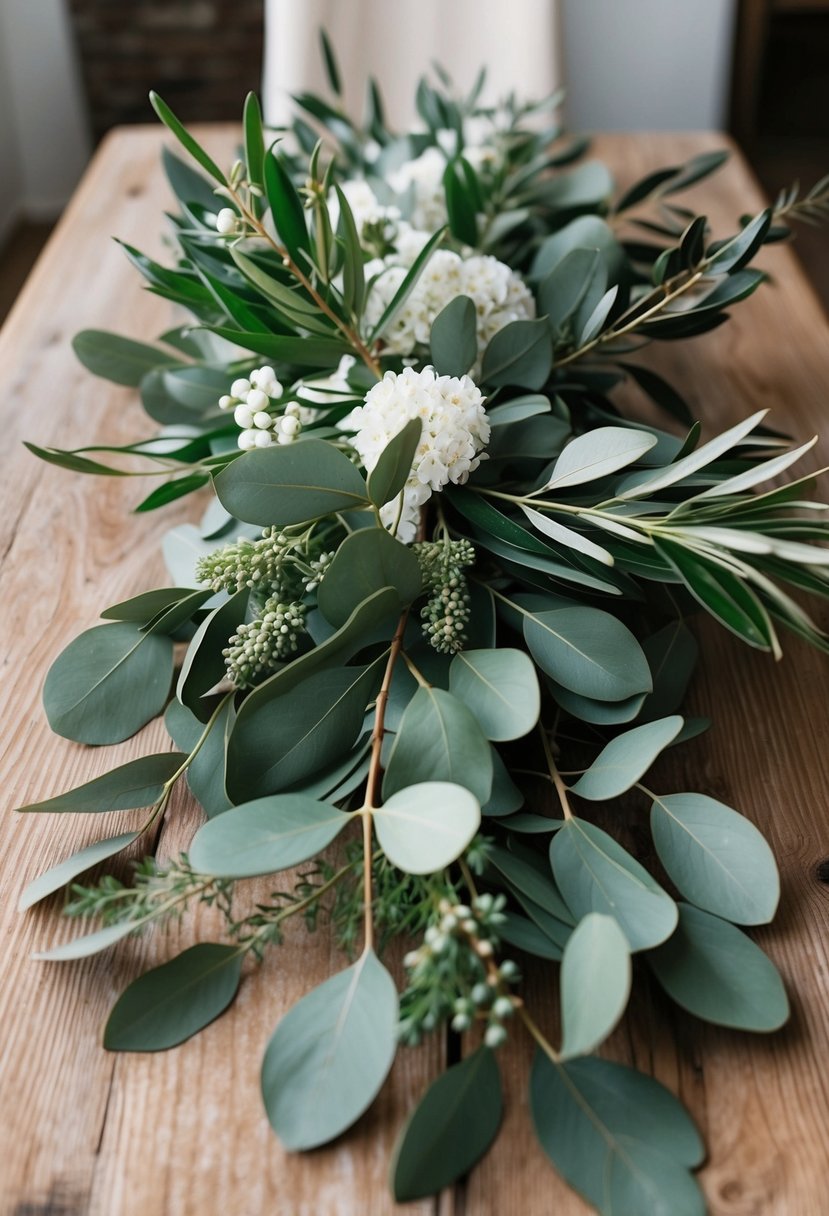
[[595, 984], [626, 758]]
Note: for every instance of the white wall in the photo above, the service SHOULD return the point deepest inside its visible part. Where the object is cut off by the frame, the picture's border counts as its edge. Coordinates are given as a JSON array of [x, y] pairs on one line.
[[647, 64], [44, 141]]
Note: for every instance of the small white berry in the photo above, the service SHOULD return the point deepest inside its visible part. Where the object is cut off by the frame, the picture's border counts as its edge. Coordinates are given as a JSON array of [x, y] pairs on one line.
[[262, 420], [283, 438], [226, 402], [256, 399], [289, 426], [293, 409], [240, 388], [263, 439], [247, 439], [243, 416], [226, 221]]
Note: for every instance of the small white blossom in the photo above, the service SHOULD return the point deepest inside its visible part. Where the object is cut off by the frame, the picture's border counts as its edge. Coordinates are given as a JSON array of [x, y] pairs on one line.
[[499, 294], [227, 221], [250, 399], [423, 176], [455, 431]]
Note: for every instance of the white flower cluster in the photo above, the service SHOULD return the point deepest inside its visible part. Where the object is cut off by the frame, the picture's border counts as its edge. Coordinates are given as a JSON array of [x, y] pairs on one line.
[[498, 293], [251, 400], [455, 431], [423, 176]]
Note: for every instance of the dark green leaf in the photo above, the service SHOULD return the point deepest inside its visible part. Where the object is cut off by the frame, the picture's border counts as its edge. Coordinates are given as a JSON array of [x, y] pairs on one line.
[[521, 353], [170, 1003], [186, 139], [204, 665], [254, 141], [454, 337], [451, 1128], [366, 561], [394, 464]]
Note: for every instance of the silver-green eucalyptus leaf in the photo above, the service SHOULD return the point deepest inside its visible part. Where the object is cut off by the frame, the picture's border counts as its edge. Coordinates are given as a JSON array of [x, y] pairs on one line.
[[626, 758], [424, 828]]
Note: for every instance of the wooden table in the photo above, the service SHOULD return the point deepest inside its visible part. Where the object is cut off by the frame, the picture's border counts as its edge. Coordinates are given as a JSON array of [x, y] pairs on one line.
[[184, 1131]]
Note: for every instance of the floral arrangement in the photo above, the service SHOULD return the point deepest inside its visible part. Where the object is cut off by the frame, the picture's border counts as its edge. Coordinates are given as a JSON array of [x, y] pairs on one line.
[[434, 534]]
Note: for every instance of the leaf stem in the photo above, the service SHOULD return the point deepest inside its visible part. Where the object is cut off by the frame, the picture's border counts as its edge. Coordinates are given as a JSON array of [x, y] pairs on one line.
[[561, 788], [346, 330]]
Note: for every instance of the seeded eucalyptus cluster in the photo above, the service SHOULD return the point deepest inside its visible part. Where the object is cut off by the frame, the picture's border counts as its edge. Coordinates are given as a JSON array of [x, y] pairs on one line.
[[434, 534]]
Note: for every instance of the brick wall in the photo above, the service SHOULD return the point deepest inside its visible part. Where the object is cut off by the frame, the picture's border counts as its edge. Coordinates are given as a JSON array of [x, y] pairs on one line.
[[202, 56]]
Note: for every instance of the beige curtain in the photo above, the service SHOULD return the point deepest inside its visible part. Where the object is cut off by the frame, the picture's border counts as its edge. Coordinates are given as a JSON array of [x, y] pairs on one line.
[[396, 40]]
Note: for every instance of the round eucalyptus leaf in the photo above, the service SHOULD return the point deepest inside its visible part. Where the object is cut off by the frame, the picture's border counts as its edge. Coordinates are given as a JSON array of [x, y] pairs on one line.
[[135, 784], [170, 1003], [500, 687], [107, 683], [366, 561], [595, 984], [330, 1054], [425, 827], [439, 740], [625, 759], [717, 858], [58, 876], [278, 486], [595, 874], [619, 1138], [716, 972], [264, 836], [588, 651], [451, 1128]]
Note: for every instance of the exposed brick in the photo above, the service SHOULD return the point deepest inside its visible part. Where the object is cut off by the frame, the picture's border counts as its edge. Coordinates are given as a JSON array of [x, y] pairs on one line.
[[200, 55]]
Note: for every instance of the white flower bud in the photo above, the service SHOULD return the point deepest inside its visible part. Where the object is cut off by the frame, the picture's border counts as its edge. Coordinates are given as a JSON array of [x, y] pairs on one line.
[[226, 221], [256, 399], [290, 426], [264, 439], [240, 388], [283, 438], [243, 416], [226, 402], [495, 1036], [293, 409], [247, 439], [262, 420]]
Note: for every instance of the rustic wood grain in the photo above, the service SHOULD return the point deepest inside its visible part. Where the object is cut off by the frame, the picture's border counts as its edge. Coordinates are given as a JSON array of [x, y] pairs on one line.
[[85, 1132]]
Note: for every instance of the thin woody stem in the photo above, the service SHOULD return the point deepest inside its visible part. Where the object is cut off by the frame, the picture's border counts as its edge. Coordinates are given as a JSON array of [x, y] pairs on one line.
[[346, 330]]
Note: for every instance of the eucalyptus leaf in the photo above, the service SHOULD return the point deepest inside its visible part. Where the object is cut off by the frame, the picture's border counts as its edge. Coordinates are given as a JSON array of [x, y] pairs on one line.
[[454, 338], [118, 359], [280, 741], [716, 972], [521, 353], [595, 874], [206, 771], [170, 1003], [330, 1054], [439, 739], [90, 943], [595, 984], [424, 828], [451, 1128], [137, 783], [500, 686], [626, 758], [588, 651], [204, 665], [58, 876], [716, 857], [619, 1138], [394, 464], [598, 453], [107, 683], [265, 836], [366, 561], [291, 484]]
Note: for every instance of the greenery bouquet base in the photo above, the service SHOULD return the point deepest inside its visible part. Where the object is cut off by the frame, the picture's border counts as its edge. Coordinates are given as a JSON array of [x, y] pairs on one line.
[[434, 627]]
